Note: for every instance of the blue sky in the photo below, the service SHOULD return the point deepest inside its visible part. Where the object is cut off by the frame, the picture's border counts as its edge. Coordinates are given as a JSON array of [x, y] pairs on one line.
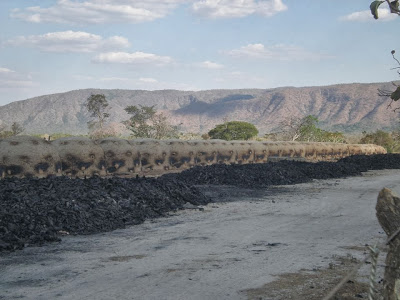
[[51, 46]]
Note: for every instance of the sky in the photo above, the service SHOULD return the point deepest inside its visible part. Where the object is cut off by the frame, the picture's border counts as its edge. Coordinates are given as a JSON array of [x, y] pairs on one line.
[[54, 46]]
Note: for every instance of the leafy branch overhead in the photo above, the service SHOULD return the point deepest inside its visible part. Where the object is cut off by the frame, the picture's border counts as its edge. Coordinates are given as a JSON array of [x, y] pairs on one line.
[[394, 95], [393, 5], [394, 9]]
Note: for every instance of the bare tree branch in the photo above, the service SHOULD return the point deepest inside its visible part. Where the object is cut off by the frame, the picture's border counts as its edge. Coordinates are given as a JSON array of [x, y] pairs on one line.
[[393, 9]]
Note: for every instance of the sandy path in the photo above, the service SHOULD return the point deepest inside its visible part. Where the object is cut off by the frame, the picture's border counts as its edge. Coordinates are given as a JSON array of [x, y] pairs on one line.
[[213, 254]]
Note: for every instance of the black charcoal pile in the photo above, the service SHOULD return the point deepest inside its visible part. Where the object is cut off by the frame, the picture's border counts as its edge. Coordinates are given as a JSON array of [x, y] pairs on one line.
[[373, 162], [35, 211], [267, 174], [285, 172]]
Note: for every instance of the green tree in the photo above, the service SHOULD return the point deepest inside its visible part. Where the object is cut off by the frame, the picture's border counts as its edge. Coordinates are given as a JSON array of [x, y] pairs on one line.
[[304, 129], [97, 105], [307, 130], [234, 130], [140, 120], [146, 122]]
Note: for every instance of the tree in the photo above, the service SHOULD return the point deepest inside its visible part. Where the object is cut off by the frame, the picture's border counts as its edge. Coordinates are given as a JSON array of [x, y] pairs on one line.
[[304, 129], [145, 122], [16, 128], [234, 130], [308, 130], [290, 128], [97, 105]]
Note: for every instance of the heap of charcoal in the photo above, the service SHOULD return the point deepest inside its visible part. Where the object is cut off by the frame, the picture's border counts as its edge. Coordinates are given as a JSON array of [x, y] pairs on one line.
[[374, 162], [285, 172], [263, 175], [34, 211]]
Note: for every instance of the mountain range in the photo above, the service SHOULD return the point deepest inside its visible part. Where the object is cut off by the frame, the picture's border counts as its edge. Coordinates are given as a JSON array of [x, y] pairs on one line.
[[348, 108]]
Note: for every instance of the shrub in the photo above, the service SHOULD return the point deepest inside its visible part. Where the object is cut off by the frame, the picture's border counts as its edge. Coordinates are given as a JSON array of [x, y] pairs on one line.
[[380, 138], [234, 130]]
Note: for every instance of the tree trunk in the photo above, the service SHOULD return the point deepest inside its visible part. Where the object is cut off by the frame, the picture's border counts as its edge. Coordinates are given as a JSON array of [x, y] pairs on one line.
[[388, 214]]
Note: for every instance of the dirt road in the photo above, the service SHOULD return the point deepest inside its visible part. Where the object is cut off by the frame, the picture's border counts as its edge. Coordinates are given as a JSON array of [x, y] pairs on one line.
[[218, 253]]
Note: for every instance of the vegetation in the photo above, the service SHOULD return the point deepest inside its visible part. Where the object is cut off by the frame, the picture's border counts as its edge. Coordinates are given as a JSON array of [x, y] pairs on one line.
[[146, 122], [393, 6], [389, 141], [394, 95], [5, 134], [97, 105], [205, 136], [234, 130], [189, 136], [394, 9], [15, 129], [333, 137], [56, 136], [306, 130]]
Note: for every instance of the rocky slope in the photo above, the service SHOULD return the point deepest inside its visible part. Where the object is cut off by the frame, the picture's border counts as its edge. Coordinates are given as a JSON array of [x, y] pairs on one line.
[[345, 107]]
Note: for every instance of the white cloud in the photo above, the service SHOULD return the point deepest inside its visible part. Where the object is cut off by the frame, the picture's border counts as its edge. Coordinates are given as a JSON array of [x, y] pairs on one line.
[[236, 73], [115, 79], [148, 80], [143, 83], [276, 52], [82, 77], [365, 16], [5, 71], [98, 11], [70, 41], [137, 11], [12, 79], [237, 8], [209, 65], [132, 58], [142, 80]]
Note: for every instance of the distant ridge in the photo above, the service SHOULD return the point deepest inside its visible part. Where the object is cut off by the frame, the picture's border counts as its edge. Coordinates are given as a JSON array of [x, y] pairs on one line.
[[345, 107]]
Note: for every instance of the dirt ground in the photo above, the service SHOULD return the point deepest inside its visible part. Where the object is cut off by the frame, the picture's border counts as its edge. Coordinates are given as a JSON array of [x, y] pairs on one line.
[[315, 284], [285, 242]]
